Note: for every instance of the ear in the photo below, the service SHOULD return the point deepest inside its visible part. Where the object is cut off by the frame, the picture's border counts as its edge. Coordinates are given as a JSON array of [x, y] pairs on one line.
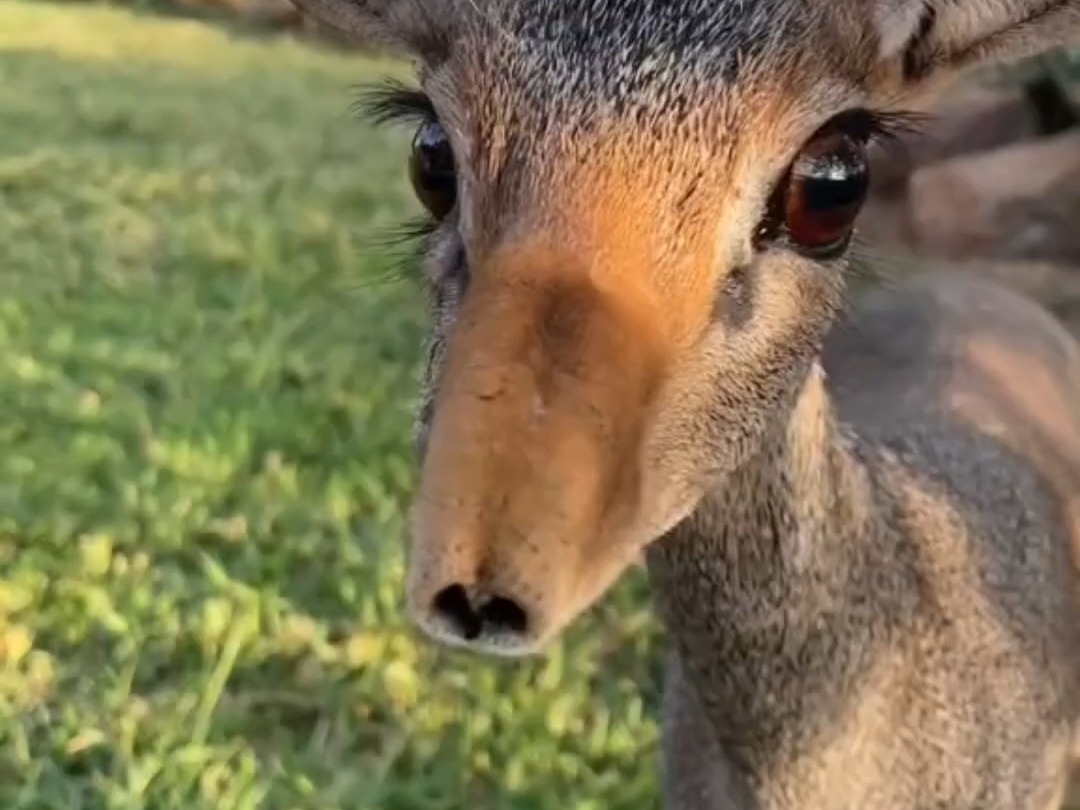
[[936, 38], [395, 25]]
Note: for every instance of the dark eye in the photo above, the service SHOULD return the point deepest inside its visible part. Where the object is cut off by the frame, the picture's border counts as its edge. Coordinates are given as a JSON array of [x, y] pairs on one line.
[[431, 169], [823, 193]]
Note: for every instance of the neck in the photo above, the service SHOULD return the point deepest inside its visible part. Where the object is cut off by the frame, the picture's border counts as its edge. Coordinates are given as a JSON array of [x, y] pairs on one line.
[[770, 590]]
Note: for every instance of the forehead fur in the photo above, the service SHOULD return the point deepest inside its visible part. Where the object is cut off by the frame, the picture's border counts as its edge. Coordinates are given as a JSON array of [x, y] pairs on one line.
[[626, 53], [550, 94], [536, 71]]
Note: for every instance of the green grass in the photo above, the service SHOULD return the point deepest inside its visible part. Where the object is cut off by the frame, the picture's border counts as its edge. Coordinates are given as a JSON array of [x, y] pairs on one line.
[[206, 386]]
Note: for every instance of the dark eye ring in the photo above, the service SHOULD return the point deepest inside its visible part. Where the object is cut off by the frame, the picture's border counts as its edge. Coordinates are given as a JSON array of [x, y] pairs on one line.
[[822, 193], [431, 170]]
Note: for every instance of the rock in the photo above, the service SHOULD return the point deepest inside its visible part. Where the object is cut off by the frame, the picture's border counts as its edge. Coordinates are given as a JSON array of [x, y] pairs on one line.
[[279, 13], [273, 14], [971, 118], [1045, 227], [883, 225], [1055, 285], [1019, 202]]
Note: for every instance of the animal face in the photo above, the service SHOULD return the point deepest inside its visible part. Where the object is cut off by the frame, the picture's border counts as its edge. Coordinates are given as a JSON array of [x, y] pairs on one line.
[[640, 211]]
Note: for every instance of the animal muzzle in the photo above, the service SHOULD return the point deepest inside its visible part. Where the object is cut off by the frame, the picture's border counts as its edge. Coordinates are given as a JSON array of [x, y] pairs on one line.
[[533, 466]]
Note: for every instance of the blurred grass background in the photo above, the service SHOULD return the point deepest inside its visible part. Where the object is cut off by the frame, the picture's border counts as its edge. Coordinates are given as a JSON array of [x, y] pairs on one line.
[[206, 383]]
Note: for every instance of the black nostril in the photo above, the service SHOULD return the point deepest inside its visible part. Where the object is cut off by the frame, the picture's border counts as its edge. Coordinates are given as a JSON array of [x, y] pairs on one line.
[[504, 614], [453, 603], [496, 615]]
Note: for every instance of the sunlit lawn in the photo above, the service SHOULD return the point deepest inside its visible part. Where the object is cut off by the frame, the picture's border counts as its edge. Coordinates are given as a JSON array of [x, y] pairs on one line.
[[206, 382]]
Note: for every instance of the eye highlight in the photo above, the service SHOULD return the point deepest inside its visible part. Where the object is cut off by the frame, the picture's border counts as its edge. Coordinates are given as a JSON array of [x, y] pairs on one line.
[[825, 191], [431, 170], [431, 159], [814, 207]]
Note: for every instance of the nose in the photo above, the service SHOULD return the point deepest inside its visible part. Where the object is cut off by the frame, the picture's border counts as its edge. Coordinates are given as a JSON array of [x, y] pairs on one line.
[[470, 617]]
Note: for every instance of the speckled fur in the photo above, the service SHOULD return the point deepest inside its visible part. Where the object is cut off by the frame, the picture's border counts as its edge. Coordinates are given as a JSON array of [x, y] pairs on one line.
[[862, 532], [888, 617]]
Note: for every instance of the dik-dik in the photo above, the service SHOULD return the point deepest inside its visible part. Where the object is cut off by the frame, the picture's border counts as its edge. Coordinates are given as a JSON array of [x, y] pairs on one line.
[[862, 529]]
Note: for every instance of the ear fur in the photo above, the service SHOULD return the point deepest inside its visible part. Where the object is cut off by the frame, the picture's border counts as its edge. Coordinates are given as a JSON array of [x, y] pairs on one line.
[[937, 38]]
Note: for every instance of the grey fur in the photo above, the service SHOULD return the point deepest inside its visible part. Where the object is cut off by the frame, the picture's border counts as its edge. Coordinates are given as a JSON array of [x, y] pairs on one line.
[[909, 638], [872, 591]]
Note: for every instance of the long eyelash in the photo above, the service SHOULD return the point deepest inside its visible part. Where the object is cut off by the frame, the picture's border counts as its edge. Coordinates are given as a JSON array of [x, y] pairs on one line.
[[891, 130], [392, 102], [888, 124], [404, 245], [883, 127], [407, 234]]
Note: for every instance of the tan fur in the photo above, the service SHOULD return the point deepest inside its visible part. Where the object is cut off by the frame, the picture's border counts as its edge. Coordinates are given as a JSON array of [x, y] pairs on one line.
[[550, 379], [863, 530]]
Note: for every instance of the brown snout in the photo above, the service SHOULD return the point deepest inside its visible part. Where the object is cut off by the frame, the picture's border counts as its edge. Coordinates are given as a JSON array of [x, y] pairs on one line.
[[532, 475]]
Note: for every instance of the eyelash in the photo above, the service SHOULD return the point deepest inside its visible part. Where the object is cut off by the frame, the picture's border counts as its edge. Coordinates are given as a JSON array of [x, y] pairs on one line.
[[387, 104], [394, 102]]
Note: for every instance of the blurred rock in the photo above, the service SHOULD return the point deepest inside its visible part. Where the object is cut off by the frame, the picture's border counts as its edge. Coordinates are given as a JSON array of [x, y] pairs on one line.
[[970, 118], [1017, 202], [274, 14], [1046, 227], [1052, 284], [1055, 285], [279, 13], [883, 225]]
